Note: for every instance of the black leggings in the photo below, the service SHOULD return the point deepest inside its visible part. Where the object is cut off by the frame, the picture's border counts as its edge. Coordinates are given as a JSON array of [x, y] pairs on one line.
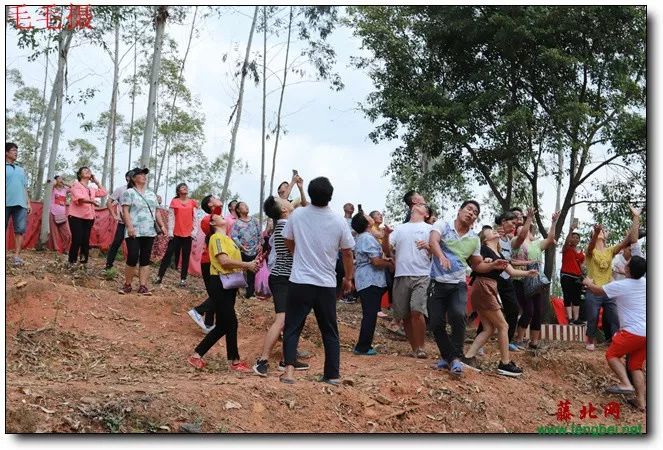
[[571, 289], [115, 246], [174, 246], [206, 307], [80, 238], [250, 276], [139, 250], [223, 301], [532, 307]]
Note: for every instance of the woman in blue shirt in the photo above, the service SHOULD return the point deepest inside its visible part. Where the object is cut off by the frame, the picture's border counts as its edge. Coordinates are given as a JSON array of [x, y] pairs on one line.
[[370, 281]]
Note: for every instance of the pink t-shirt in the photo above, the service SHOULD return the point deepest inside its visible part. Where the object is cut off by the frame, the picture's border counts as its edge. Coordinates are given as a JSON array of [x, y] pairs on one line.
[[80, 192]]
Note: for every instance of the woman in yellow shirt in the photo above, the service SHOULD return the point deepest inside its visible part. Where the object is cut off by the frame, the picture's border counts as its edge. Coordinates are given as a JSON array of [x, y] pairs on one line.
[[599, 269], [225, 258]]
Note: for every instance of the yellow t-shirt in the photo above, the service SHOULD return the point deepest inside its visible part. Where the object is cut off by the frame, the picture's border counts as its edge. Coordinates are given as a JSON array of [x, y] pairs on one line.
[[220, 243], [599, 265]]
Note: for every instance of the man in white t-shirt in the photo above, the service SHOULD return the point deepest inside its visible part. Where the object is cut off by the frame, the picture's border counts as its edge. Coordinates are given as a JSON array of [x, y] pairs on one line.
[[622, 258], [314, 235], [409, 243], [630, 296]]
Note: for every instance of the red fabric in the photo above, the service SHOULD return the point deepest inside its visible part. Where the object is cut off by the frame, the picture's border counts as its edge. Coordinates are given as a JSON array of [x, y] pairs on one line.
[[31, 236], [625, 343], [384, 303], [560, 310], [59, 238], [571, 261], [103, 232]]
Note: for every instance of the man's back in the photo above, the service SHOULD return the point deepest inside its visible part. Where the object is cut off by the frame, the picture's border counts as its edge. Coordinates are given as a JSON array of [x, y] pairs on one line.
[[318, 233]]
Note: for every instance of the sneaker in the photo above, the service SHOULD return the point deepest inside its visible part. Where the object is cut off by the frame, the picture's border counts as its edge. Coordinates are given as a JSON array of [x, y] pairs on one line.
[[143, 290], [590, 347], [157, 280], [472, 363], [240, 367], [522, 345], [196, 362], [196, 317], [206, 330], [442, 364], [298, 366], [18, 261], [182, 283], [481, 352], [513, 347], [125, 289], [370, 352], [348, 300], [509, 369], [260, 367]]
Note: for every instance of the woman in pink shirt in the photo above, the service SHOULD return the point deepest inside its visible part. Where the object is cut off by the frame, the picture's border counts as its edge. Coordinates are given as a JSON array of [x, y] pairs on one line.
[[58, 215], [81, 213]]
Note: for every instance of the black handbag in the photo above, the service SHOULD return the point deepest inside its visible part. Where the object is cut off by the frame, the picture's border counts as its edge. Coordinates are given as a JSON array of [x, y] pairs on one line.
[[534, 285]]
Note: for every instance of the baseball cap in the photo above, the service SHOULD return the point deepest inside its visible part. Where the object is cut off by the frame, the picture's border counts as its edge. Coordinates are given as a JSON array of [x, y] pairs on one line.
[[136, 170]]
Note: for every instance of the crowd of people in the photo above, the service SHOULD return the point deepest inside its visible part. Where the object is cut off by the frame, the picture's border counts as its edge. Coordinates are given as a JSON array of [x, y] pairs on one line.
[[311, 257]]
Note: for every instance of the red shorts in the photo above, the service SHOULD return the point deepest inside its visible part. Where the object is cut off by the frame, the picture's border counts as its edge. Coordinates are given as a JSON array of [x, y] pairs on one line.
[[625, 343]]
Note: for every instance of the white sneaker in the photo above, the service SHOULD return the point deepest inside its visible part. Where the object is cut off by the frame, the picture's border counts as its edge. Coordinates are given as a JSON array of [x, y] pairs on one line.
[[590, 347], [198, 319], [206, 330]]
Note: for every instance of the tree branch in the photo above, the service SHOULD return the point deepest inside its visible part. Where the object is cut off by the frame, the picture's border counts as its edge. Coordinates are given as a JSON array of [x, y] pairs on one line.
[[604, 163], [485, 172]]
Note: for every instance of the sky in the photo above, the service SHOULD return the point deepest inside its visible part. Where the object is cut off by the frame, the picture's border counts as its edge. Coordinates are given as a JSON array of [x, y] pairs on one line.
[[327, 134]]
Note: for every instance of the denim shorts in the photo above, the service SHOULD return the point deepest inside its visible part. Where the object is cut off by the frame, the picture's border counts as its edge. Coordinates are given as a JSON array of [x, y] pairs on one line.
[[20, 218]]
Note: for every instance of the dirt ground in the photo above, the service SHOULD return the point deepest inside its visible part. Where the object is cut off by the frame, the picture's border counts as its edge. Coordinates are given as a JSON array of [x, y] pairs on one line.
[[81, 358]]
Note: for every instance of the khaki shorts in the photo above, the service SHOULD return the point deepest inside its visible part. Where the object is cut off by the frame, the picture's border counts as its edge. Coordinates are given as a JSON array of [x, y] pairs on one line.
[[409, 294]]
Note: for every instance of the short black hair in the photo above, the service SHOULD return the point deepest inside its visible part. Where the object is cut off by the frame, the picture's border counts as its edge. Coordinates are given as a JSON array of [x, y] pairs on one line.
[[373, 213], [230, 205], [576, 233], [282, 183], [237, 207], [320, 190], [359, 223], [637, 266], [473, 202], [177, 189], [9, 146], [204, 203], [516, 208], [407, 198], [506, 215], [486, 227], [272, 208]]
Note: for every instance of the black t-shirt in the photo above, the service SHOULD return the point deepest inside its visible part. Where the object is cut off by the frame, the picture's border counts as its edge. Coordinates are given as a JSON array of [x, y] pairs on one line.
[[487, 252]]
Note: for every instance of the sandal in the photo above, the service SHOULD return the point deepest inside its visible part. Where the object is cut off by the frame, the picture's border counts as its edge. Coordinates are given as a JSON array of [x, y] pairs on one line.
[[456, 368], [617, 390], [286, 380], [633, 403]]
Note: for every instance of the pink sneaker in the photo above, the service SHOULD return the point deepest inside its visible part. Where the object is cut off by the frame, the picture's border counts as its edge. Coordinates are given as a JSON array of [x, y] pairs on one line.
[[240, 367]]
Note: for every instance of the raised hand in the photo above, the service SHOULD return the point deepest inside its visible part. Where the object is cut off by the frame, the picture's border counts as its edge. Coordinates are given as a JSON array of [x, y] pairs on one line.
[[635, 212], [531, 212], [555, 216]]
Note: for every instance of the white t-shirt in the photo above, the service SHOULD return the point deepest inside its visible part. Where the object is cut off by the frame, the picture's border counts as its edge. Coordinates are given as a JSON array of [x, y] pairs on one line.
[[319, 234], [619, 262], [410, 261], [631, 298]]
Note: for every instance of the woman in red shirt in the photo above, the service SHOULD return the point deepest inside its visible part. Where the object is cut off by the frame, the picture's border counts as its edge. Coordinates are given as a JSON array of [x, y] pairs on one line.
[[81, 214], [180, 229], [571, 275]]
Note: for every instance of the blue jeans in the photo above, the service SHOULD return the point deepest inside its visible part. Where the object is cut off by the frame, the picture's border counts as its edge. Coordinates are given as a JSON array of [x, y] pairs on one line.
[[610, 319], [20, 215]]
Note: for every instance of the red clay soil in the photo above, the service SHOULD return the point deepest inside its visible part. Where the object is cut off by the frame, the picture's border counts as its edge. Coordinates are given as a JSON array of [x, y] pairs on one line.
[[82, 358]]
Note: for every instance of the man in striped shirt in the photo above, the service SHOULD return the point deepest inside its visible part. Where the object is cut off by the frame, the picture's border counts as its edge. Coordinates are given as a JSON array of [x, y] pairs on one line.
[[278, 210]]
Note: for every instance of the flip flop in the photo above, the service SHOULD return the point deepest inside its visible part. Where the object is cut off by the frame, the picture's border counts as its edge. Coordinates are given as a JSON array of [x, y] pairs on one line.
[[617, 390], [634, 404], [284, 379]]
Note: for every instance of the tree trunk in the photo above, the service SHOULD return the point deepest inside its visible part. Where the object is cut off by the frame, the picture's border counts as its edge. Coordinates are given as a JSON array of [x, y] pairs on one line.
[[133, 99], [58, 93], [278, 114], [235, 129], [156, 146], [160, 22], [39, 167], [264, 111], [172, 108], [110, 133], [558, 201]]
